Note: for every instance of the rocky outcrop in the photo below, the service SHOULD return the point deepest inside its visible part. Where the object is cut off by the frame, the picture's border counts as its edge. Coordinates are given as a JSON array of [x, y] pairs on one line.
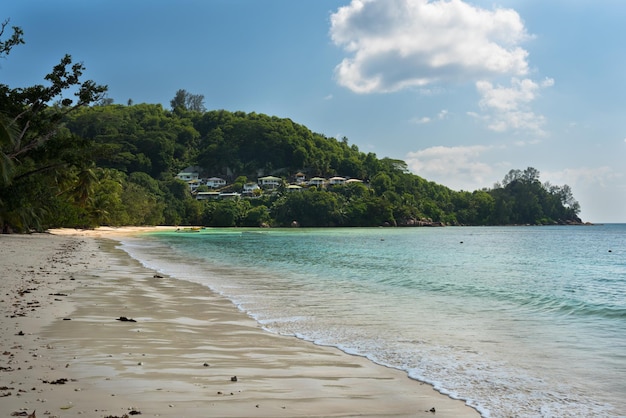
[[419, 222]]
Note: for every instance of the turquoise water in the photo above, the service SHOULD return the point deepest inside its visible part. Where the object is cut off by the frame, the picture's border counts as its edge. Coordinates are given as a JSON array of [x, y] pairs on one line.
[[517, 321]]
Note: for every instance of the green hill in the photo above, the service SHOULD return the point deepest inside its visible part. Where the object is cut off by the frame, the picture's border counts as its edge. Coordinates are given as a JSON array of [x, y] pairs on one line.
[[130, 155]]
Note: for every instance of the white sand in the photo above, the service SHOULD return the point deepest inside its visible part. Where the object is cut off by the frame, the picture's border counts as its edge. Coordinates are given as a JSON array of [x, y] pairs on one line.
[[60, 299]]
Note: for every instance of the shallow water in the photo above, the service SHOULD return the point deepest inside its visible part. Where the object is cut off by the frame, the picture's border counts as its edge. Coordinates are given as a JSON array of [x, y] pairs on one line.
[[517, 321]]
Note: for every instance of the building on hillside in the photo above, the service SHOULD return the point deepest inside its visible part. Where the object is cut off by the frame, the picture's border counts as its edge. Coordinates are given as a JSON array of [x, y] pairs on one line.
[[230, 195], [249, 189], [317, 181], [187, 176], [294, 188], [190, 175], [207, 195], [270, 182], [336, 180], [300, 178], [194, 184], [215, 182]]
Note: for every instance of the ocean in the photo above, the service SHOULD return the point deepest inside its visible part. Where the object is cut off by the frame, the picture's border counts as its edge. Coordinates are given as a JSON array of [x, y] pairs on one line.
[[517, 321]]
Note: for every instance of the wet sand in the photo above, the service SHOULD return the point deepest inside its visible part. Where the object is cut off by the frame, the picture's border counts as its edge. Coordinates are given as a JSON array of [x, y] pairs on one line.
[[182, 351]]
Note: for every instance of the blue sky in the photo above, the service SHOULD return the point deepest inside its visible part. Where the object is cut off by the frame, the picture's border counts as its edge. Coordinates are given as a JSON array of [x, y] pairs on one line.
[[463, 91]]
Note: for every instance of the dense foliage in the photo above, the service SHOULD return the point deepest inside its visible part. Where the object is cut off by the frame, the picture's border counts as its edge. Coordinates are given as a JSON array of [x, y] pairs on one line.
[[43, 172], [85, 162]]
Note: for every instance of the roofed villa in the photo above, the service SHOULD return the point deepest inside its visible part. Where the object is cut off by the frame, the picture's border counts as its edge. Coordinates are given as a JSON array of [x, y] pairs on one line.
[[222, 189]]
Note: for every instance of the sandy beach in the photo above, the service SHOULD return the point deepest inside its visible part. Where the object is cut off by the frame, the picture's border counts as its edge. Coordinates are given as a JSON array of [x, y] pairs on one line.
[[88, 331]]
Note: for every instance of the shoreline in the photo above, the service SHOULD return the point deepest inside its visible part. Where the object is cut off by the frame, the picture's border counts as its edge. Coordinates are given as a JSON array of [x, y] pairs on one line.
[[181, 355]]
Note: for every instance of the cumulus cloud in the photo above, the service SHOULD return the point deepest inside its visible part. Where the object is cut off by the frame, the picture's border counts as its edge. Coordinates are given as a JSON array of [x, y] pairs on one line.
[[395, 44], [459, 167], [508, 108]]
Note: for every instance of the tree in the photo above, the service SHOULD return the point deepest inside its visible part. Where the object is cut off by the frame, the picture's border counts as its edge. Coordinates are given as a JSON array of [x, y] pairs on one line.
[[522, 199], [566, 198], [34, 147], [226, 213], [310, 208], [142, 207], [381, 183], [187, 101], [15, 39], [530, 175], [257, 216], [511, 176]]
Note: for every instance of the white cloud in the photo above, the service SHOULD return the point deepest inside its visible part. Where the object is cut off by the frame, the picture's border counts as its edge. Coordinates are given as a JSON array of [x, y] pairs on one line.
[[421, 121], [547, 82], [522, 143], [395, 44], [459, 168], [508, 108], [507, 99], [584, 176], [442, 115]]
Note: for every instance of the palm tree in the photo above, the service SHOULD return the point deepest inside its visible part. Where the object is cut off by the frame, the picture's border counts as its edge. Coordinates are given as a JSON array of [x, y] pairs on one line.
[[8, 138]]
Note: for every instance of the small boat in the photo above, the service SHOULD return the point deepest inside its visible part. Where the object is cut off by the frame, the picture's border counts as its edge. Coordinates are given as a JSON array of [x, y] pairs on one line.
[[194, 229]]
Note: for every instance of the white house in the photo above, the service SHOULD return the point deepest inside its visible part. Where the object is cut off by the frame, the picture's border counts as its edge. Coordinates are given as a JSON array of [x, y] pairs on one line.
[[230, 195], [215, 182], [187, 176], [207, 195], [317, 181], [300, 178], [270, 182], [336, 180], [294, 188], [249, 188], [190, 176]]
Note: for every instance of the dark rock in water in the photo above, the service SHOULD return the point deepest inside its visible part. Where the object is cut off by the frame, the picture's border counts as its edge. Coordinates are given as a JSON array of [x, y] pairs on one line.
[[125, 319], [233, 379], [157, 276]]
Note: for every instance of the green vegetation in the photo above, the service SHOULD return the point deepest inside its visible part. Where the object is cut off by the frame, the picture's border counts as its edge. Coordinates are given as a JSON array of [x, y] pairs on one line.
[[84, 162]]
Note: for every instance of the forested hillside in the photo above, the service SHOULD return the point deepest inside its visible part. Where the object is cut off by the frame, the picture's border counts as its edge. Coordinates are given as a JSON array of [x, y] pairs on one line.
[[84, 162]]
